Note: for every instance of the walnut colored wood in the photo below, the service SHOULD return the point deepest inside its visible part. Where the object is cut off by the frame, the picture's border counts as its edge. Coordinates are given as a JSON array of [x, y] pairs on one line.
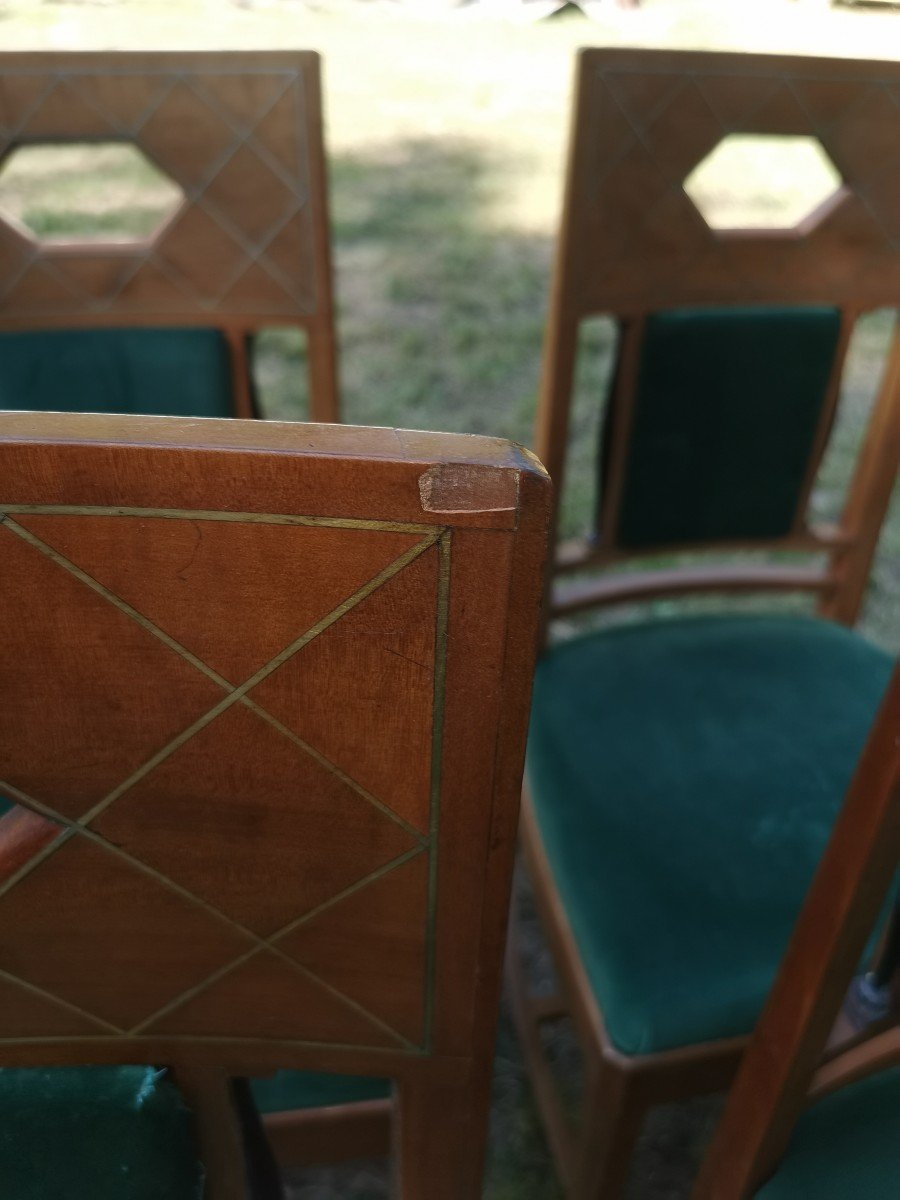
[[829, 938], [288, 846], [240, 133], [631, 243]]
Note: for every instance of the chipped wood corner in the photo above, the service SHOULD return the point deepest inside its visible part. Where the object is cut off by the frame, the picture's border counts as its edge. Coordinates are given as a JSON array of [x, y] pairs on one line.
[[468, 487]]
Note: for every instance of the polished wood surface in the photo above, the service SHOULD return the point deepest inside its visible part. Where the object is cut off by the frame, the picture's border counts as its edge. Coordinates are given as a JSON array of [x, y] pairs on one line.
[[828, 942], [266, 694], [240, 133]]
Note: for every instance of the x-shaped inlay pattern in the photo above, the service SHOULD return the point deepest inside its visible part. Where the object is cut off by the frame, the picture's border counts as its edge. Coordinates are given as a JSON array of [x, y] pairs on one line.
[[237, 143], [643, 242], [271, 836]]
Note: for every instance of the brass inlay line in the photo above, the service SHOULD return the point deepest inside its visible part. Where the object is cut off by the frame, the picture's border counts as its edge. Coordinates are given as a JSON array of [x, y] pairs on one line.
[[58, 1000], [189, 994], [237, 693], [260, 944], [207, 1039], [42, 855], [437, 748], [116, 601], [335, 770], [187, 514], [342, 996], [348, 891], [81, 826], [208, 671]]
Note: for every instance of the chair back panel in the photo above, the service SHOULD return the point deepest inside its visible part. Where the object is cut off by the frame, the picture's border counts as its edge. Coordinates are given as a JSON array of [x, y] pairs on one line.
[[240, 134], [262, 775], [732, 340], [712, 386], [646, 119]]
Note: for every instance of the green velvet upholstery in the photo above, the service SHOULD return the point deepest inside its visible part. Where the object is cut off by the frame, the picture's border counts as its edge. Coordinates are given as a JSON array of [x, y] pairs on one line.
[[685, 776], [845, 1147], [287, 1090], [165, 372], [725, 412], [101, 1133]]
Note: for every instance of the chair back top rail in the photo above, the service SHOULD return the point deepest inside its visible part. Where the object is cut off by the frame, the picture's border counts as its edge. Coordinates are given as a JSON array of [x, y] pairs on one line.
[[248, 243]]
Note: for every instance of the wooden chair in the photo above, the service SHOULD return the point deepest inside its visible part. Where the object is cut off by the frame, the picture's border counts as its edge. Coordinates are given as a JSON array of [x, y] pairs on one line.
[[846, 1144], [264, 703], [683, 773], [164, 324]]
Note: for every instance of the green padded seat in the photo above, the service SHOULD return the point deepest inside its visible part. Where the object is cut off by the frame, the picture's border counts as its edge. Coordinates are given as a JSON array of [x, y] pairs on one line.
[[846, 1147], [685, 776], [725, 398], [288, 1090], [157, 372], [102, 1133]]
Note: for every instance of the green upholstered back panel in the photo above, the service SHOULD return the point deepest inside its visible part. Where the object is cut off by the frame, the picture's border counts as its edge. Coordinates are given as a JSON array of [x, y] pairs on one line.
[[287, 1090], [102, 1133], [726, 408], [164, 372], [844, 1147]]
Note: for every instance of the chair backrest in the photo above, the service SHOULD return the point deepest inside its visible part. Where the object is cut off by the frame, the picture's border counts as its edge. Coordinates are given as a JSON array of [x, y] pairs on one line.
[[779, 1074], [240, 134], [265, 690], [732, 341]]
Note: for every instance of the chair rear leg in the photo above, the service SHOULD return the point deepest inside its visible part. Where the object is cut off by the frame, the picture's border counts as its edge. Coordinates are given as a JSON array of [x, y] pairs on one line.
[[440, 1137]]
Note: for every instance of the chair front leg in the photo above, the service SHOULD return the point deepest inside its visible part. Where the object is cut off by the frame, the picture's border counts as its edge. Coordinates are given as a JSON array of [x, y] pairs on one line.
[[612, 1118]]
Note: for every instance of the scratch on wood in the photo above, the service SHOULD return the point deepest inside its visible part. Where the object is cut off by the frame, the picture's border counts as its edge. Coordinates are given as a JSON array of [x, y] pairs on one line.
[[467, 487]]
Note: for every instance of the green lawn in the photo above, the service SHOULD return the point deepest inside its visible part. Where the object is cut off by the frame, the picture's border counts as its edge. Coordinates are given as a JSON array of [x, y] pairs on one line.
[[446, 135]]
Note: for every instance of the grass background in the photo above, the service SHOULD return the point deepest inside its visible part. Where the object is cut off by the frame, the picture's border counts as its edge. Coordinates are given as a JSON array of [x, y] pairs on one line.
[[446, 132]]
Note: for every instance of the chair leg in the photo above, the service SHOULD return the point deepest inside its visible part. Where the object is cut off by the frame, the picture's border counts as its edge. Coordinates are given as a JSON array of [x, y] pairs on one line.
[[207, 1091], [611, 1123], [440, 1136]]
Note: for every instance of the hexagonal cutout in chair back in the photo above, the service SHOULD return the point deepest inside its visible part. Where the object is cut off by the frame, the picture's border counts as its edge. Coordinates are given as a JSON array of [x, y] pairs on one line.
[[763, 181], [107, 192]]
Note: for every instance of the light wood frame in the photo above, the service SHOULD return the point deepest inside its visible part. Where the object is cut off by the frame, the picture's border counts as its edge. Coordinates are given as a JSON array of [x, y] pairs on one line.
[[101, 509], [240, 133], [783, 1068], [631, 243]]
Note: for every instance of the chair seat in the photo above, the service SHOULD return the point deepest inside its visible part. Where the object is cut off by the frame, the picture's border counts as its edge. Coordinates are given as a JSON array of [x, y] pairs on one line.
[[685, 775], [286, 1091], [155, 372], [844, 1147], [108, 1133]]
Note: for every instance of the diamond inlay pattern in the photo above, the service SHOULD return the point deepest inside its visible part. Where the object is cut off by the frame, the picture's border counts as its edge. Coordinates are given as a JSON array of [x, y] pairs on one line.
[[642, 245], [237, 143], [192, 777]]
